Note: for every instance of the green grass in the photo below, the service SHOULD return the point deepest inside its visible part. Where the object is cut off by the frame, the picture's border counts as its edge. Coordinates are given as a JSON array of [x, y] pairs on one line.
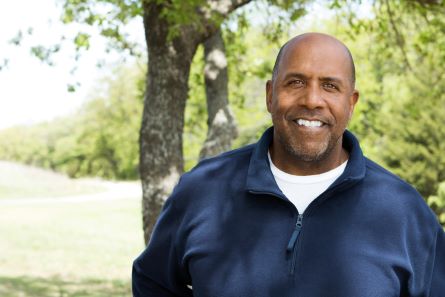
[[69, 249], [38, 287], [21, 181]]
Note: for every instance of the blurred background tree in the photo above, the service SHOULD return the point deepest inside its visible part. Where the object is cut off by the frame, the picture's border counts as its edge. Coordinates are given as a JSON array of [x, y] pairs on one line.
[[401, 120], [100, 139]]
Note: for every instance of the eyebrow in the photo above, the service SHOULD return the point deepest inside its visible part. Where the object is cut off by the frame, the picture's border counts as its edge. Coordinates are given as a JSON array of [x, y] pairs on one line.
[[295, 75], [305, 77], [332, 79]]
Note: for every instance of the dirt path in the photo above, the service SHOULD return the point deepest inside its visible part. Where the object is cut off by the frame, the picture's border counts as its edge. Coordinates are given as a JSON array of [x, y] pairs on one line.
[[23, 185], [114, 191]]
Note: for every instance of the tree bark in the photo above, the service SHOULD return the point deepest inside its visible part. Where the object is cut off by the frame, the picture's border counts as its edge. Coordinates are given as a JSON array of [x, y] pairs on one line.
[[161, 159], [221, 123]]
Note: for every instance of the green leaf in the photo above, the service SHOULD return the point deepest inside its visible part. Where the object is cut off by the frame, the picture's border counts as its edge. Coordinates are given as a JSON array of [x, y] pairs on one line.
[[82, 40]]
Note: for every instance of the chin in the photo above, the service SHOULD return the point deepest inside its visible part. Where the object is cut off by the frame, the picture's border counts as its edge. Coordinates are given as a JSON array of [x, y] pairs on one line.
[[304, 149], [309, 156], [308, 153]]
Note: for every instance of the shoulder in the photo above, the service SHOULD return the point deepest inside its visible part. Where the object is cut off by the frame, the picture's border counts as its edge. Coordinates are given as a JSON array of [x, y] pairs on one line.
[[211, 175], [381, 175], [386, 183], [399, 198], [221, 166]]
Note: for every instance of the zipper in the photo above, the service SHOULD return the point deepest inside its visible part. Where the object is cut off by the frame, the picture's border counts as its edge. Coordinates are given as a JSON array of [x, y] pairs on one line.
[[291, 246]]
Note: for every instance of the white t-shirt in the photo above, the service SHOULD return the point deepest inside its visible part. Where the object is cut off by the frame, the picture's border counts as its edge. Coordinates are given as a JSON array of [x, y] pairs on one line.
[[302, 190]]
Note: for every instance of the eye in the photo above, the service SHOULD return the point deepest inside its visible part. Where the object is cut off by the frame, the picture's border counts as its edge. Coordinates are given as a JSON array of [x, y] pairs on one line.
[[330, 86], [295, 82]]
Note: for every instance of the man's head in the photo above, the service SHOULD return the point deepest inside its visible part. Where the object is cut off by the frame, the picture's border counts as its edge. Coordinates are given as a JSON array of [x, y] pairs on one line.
[[280, 53], [311, 98]]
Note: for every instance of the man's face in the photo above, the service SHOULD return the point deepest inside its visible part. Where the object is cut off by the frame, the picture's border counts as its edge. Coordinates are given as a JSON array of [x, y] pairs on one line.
[[311, 99]]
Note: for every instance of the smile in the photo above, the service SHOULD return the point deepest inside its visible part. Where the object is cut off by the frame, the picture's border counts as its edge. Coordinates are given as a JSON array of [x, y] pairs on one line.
[[308, 123]]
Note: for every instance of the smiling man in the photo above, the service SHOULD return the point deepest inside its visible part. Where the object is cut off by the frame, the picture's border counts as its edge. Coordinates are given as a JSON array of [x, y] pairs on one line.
[[311, 98], [300, 213]]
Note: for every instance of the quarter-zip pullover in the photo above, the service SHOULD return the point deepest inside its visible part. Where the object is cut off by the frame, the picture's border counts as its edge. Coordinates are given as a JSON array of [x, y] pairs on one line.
[[228, 231]]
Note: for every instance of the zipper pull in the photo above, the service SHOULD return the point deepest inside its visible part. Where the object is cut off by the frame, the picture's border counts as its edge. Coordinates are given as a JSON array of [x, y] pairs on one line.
[[294, 237]]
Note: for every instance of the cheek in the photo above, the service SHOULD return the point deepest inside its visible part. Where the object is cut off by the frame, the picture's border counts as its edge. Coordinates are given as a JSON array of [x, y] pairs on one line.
[[348, 110], [283, 104], [279, 117], [342, 112], [346, 116]]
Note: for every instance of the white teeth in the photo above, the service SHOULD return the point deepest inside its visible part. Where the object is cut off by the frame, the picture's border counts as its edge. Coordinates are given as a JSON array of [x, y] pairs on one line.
[[306, 123]]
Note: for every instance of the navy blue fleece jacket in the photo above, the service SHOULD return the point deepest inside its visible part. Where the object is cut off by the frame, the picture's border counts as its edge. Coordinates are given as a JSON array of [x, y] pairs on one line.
[[228, 231]]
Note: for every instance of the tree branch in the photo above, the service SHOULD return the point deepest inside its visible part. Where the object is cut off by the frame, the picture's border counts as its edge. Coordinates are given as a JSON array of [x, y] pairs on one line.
[[399, 37]]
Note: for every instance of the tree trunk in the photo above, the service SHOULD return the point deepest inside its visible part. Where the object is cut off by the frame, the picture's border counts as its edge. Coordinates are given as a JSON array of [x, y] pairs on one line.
[[221, 122], [161, 159]]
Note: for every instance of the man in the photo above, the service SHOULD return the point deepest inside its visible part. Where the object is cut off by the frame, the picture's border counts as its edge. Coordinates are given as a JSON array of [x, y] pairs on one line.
[[300, 213]]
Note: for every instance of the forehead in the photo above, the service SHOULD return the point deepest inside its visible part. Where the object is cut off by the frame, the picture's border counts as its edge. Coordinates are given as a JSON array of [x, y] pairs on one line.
[[316, 58]]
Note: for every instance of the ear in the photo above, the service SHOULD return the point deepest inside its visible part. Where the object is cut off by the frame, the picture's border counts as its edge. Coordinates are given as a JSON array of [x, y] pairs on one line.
[[353, 101], [269, 96]]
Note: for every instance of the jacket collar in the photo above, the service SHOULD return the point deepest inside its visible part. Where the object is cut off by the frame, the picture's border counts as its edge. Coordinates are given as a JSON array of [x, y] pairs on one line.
[[261, 180]]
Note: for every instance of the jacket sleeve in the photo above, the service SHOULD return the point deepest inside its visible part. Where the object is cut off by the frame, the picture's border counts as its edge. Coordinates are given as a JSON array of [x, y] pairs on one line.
[[438, 275], [157, 271]]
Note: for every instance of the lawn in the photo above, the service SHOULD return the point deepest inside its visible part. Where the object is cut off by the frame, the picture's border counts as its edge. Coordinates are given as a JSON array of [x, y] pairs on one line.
[[69, 248], [21, 181]]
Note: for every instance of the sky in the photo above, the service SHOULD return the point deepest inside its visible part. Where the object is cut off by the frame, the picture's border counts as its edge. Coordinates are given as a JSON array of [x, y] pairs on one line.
[[32, 91]]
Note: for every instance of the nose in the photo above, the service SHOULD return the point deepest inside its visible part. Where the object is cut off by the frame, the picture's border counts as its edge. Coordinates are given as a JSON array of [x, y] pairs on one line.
[[313, 97]]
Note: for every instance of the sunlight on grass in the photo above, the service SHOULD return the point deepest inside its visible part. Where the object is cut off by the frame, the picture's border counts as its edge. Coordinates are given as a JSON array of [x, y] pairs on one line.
[[69, 249]]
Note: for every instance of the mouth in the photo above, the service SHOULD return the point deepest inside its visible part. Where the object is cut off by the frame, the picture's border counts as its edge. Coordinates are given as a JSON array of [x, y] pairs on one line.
[[309, 123]]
